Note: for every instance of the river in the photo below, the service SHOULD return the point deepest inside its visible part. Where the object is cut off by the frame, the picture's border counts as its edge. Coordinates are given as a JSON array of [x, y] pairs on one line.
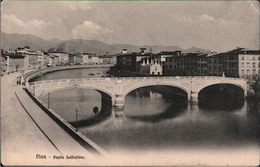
[[154, 119]]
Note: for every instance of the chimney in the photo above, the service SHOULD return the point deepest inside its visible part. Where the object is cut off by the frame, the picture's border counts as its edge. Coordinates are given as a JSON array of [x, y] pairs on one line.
[[142, 51], [124, 51]]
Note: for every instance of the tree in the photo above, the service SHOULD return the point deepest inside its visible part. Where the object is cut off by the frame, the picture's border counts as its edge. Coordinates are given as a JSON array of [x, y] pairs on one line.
[[51, 49]]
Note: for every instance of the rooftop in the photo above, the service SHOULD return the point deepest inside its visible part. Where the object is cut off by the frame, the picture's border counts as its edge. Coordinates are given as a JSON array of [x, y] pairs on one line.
[[13, 55]]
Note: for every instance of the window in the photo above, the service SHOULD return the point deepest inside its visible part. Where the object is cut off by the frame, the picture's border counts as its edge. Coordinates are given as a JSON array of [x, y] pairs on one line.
[[243, 72], [247, 71], [247, 64], [243, 58], [253, 64]]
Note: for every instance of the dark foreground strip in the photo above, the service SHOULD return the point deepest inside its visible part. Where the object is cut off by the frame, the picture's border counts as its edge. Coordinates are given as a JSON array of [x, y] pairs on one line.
[[36, 123], [81, 141]]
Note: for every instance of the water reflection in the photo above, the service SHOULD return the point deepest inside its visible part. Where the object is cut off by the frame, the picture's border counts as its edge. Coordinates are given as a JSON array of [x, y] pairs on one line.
[[224, 103], [99, 117], [177, 108]]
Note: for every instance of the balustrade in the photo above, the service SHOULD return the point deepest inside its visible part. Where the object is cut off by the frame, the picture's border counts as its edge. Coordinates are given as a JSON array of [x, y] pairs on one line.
[[119, 86]]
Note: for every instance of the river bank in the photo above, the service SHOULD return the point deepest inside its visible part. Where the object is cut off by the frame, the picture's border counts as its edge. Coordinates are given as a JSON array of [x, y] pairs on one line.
[[254, 92]]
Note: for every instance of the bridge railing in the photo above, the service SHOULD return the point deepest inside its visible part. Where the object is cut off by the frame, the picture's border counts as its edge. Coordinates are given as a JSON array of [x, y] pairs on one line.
[[73, 81], [179, 78], [128, 79]]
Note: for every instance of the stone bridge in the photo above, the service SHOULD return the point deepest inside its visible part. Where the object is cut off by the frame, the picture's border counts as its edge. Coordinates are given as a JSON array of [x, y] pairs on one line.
[[117, 88]]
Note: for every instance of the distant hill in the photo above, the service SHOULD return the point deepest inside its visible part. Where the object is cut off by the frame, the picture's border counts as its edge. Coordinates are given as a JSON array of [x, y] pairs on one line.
[[14, 41], [55, 40], [91, 46], [195, 49]]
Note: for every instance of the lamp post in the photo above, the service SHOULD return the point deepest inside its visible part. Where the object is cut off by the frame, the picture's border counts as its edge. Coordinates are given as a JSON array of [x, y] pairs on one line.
[[77, 112], [48, 100]]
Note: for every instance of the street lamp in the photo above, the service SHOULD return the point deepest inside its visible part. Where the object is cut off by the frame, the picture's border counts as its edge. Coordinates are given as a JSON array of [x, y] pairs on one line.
[[77, 112], [48, 100]]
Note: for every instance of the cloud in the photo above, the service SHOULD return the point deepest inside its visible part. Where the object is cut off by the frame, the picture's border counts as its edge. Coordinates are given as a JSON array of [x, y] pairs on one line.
[[224, 22], [91, 31], [208, 18], [76, 5], [12, 24]]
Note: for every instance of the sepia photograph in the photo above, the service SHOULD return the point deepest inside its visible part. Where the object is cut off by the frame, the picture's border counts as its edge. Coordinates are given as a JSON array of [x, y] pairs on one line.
[[130, 83]]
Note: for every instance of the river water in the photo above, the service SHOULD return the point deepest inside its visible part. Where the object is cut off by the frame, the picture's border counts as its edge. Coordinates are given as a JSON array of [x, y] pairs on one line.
[[156, 120]]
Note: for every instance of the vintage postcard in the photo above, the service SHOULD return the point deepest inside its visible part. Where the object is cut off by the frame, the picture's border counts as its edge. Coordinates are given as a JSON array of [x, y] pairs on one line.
[[130, 83]]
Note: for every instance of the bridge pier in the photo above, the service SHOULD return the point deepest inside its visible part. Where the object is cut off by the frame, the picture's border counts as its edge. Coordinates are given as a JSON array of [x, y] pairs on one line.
[[194, 93], [194, 97], [119, 112], [119, 101]]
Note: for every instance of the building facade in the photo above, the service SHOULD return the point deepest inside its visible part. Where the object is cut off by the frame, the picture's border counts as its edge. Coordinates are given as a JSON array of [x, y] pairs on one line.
[[149, 66], [14, 62], [127, 61], [60, 58], [248, 64], [215, 64], [202, 65]]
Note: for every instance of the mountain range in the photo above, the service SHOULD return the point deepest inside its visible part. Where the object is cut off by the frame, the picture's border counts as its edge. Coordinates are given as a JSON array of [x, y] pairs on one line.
[[13, 41]]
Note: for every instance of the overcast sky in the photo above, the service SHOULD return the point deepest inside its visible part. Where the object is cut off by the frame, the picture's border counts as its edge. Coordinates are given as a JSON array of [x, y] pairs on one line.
[[217, 26]]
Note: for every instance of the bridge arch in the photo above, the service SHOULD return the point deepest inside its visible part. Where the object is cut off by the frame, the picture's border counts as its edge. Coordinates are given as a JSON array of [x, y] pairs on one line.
[[99, 89], [134, 87], [206, 85]]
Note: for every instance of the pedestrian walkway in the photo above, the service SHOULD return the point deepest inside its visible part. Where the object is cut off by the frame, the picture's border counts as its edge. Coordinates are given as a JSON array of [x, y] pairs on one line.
[[31, 137]]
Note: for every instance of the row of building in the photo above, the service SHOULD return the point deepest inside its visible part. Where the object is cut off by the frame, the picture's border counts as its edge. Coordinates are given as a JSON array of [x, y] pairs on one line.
[[24, 58], [239, 62]]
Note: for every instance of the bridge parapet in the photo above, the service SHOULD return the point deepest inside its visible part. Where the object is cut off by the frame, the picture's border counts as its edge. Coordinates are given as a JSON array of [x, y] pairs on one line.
[[118, 88], [138, 79], [135, 79]]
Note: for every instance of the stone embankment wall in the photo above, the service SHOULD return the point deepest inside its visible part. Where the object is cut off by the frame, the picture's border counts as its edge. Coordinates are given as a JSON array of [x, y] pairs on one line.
[[78, 136]]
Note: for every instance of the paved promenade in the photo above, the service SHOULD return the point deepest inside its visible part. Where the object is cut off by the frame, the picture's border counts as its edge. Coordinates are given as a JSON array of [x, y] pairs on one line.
[[27, 131]]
